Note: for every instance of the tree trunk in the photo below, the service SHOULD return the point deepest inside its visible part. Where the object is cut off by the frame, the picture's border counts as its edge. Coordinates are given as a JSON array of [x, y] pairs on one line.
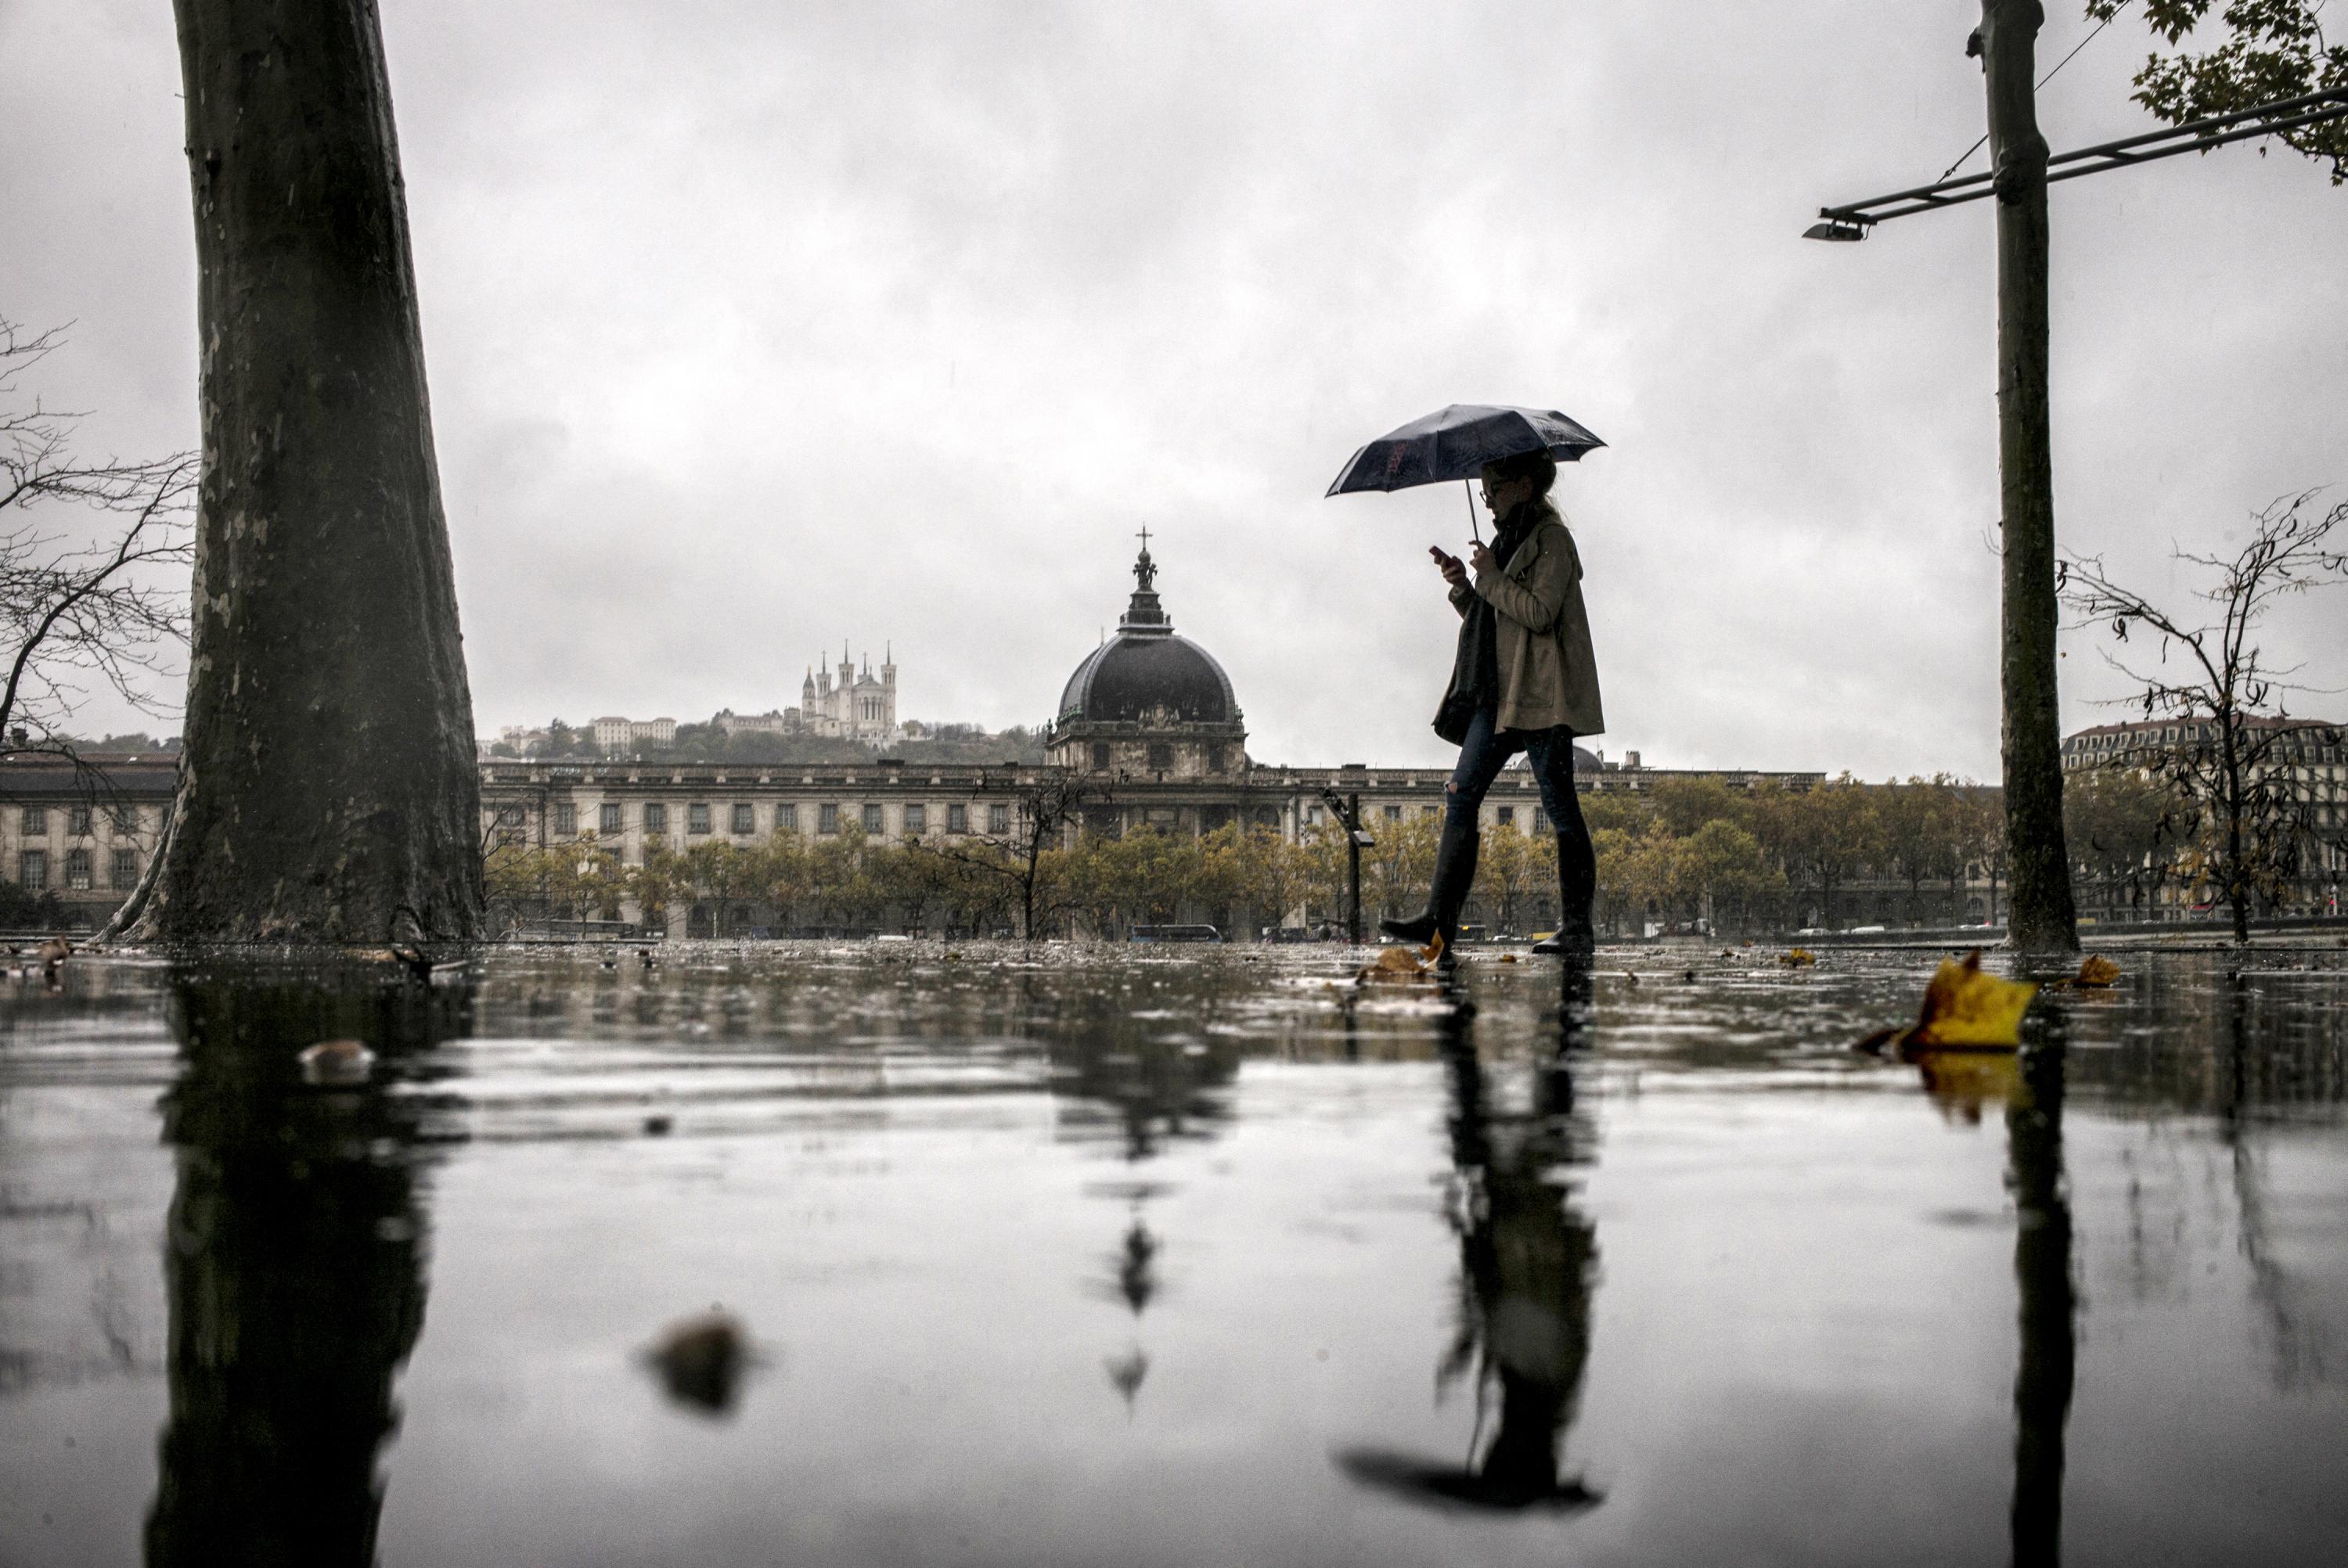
[[328, 790], [2041, 917]]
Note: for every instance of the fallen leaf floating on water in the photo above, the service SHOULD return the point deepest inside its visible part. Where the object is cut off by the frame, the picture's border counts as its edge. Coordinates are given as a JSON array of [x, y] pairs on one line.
[[2095, 973], [1964, 1009], [1393, 965], [1795, 958], [336, 1062], [701, 1358]]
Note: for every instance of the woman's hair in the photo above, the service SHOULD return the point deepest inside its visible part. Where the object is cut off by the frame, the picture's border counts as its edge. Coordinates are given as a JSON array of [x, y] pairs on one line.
[[1536, 465]]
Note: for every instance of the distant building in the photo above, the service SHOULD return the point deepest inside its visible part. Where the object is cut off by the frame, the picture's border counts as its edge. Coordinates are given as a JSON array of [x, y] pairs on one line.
[[2311, 754], [83, 834], [849, 705], [617, 736]]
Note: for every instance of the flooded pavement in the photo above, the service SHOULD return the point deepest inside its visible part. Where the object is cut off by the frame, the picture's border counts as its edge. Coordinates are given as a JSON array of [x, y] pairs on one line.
[[887, 1254]]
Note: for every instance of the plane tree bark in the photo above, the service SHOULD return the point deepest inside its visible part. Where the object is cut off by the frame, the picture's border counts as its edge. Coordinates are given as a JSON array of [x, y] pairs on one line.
[[328, 790]]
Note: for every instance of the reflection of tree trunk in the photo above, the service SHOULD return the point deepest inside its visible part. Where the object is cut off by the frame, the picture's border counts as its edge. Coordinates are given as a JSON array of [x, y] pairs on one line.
[[294, 1266], [328, 789], [2049, 1305]]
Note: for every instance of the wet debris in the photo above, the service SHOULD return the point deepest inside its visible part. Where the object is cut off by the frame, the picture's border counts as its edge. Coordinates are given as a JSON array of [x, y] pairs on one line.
[[1964, 1010], [52, 954], [1395, 966], [336, 1062], [700, 1361], [1797, 958], [2095, 973], [659, 1126]]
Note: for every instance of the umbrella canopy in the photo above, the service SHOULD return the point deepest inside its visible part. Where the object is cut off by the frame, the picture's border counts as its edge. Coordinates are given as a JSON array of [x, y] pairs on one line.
[[1454, 443]]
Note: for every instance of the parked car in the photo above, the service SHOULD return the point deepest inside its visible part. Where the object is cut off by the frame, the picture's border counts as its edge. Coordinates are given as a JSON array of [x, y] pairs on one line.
[[1175, 934]]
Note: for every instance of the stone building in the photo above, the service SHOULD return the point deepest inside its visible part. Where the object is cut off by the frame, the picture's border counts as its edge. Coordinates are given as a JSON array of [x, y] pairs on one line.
[[614, 734], [2311, 755], [84, 833]]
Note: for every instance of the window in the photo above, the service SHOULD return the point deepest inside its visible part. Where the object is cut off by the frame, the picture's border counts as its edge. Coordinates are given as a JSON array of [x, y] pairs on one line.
[[957, 819], [125, 818], [1100, 753], [697, 817], [33, 868], [655, 816], [998, 819], [746, 817], [872, 819], [1394, 814], [917, 819], [79, 871], [510, 817], [1161, 757], [607, 818], [1507, 814], [124, 871], [37, 819], [827, 818], [1215, 759], [1430, 810], [76, 819], [566, 818], [786, 819]]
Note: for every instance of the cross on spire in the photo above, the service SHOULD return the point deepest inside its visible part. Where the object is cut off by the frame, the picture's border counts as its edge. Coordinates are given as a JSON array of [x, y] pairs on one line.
[[1145, 571]]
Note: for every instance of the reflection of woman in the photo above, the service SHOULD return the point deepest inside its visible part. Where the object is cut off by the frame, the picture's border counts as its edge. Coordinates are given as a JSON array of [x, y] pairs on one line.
[[1523, 681], [1527, 1266], [295, 1272]]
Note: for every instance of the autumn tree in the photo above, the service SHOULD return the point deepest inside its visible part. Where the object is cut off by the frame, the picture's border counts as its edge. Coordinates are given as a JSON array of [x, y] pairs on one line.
[[329, 790], [2257, 52], [93, 554]]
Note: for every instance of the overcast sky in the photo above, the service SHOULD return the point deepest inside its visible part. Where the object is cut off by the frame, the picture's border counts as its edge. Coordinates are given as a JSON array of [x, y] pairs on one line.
[[756, 329]]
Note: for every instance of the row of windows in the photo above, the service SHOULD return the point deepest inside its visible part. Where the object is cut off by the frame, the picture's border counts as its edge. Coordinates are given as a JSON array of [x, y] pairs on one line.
[[33, 820], [82, 870], [742, 818]]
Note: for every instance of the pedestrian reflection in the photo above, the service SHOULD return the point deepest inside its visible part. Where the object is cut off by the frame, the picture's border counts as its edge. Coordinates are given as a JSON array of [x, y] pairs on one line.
[[294, 1266], [1527, 1261]]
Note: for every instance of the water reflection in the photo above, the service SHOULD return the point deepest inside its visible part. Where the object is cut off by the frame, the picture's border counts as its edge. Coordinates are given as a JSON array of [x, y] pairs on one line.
[[1528, 1268], [293, 1263], [2048, 1299]]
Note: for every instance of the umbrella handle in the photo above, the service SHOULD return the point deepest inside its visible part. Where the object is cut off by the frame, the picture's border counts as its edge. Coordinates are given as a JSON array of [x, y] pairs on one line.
[[1470, 486]]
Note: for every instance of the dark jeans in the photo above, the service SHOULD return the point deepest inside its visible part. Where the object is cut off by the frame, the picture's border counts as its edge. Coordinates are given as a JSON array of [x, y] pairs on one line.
[[1483, 751]]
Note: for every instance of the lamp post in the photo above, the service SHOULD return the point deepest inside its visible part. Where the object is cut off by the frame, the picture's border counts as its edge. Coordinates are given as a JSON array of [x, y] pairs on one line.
[[1347, 810], [2040, 914]]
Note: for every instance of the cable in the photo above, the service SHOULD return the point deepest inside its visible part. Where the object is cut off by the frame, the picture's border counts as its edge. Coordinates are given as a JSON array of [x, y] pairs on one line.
[[2044, 80]]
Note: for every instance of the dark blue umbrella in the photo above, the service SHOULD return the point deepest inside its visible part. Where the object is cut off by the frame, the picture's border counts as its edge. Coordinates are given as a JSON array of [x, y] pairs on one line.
[[1455, 443]]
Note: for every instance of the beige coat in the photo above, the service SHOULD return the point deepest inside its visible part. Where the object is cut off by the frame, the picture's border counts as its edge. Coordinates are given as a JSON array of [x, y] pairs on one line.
[[1541, 633]]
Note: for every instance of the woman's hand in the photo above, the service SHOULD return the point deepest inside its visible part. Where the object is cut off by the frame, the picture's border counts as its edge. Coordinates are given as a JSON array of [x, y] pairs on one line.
[[1481, 559], [1454, 570]]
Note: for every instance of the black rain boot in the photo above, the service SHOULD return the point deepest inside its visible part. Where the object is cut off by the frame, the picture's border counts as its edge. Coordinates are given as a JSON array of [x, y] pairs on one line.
[[1455, 873], [1577, 890]]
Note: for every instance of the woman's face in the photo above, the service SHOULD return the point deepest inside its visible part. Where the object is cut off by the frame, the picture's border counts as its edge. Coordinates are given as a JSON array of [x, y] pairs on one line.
[[1499, 495]]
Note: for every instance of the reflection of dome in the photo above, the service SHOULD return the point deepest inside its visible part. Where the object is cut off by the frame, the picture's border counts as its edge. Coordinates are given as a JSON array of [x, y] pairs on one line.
[[1146, 673]]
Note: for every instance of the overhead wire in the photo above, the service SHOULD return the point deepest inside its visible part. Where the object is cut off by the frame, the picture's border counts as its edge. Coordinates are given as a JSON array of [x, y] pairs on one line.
[[2044, 80]]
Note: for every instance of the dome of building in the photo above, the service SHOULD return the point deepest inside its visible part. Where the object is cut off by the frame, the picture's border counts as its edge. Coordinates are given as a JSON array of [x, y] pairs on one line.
[[1147, 673]]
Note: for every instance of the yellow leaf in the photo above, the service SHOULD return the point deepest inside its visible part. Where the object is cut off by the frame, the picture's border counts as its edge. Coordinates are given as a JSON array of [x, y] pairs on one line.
[[1966, 1008], [1795, 958]]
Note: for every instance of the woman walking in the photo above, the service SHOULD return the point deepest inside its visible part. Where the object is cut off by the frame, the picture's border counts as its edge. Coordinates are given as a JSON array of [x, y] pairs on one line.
[[1523, 680]]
